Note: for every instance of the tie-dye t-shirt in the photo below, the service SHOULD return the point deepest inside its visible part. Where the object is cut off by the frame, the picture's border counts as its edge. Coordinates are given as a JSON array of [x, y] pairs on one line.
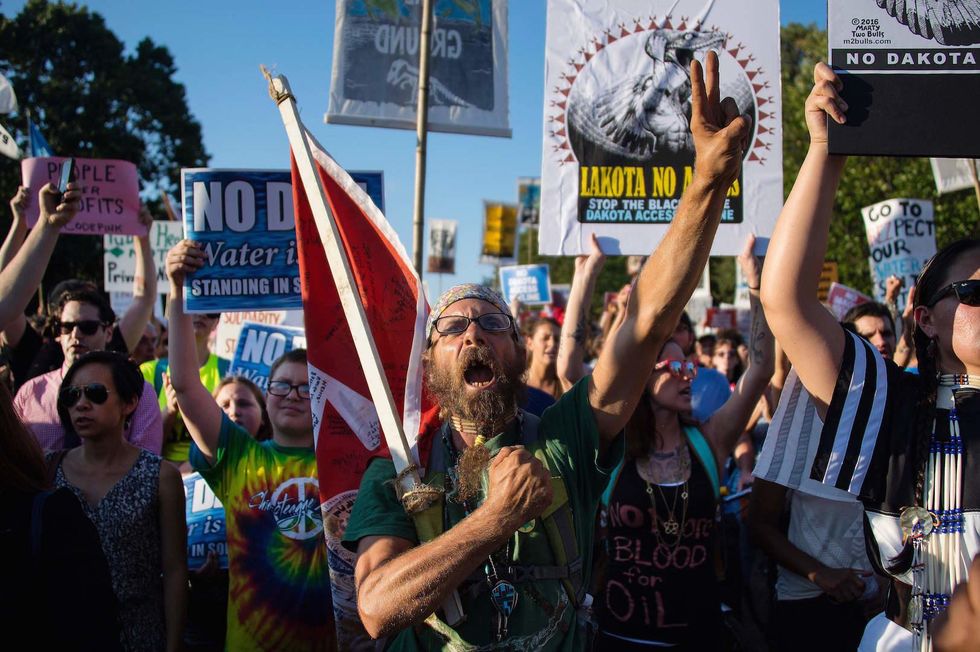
[[279, 593]]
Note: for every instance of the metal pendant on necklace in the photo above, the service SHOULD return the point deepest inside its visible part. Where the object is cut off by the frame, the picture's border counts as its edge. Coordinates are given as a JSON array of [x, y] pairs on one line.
[[503, 594]]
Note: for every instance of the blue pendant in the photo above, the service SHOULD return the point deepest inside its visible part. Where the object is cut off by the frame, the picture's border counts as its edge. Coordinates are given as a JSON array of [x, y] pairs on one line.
[[504, 597]]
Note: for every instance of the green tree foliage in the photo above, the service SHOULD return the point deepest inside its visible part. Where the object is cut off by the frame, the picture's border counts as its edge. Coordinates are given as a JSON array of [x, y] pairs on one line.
[[867, 180], [92, 98]]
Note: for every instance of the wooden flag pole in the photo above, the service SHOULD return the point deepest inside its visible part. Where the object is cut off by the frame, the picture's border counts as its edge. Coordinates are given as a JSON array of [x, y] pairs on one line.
[[350, 300], [421, 137]]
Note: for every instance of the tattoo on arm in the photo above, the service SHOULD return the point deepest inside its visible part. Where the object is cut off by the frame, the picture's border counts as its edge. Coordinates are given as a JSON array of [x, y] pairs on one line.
[[758, 333]]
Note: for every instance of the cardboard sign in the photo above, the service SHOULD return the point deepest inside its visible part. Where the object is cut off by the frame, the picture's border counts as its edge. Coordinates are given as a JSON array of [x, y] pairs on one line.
[[499, 233], [841, 299], [828, 275], [205, 523], [231, 323], [119, 256], [617, 151], [375, 66], [110, 194], [902, 239], [442, 246], [910, 73], [531, 284], [528, 200], [259, 345]]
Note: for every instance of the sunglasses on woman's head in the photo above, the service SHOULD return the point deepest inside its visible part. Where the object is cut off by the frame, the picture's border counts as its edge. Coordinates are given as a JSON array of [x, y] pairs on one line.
[[95, 392], [966, 292], [683, 369], [87, 326]]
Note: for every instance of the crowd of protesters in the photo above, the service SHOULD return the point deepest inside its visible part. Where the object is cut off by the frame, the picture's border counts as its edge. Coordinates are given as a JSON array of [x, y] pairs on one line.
[[597, 477]]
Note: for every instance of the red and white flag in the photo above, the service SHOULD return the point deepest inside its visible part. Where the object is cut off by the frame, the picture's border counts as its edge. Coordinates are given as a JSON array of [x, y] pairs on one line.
[[345, 424]]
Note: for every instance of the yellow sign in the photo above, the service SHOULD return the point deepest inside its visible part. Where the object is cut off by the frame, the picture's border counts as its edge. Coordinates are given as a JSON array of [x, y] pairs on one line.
[[499, 232], [828, 275]]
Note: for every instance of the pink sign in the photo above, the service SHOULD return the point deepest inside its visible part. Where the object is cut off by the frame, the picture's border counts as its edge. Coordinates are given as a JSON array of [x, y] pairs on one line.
[[721, 318], [110, 194], [841, 298]]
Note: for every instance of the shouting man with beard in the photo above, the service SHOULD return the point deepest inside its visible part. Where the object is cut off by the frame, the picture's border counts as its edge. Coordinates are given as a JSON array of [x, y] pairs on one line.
[[514, 531]]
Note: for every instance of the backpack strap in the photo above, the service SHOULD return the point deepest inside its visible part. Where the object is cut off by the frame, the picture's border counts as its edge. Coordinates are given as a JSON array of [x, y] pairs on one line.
[[706, 456], [613, 479]]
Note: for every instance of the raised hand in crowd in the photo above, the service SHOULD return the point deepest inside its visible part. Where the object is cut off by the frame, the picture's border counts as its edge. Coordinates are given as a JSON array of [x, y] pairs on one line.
[[575, 329], [19, 279], [133, 322], [18, 226]]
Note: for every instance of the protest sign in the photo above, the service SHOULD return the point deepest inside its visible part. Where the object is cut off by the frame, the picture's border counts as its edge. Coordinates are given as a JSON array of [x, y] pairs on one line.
[[721, 318], [231, 323], [110, 194], [952, 174], [841, 299], [499, 233], [442, 246], [205, 523], [910, 74], [8, 146], [531, 284], [528, 200], [259, 345], [618, 152], [375, 66], [901, 239], [828, 274], [119, 256]]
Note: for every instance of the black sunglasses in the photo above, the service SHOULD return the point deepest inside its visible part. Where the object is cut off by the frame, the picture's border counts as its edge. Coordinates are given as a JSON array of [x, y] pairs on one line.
[[95, 392], [87, 326], [966, 292]]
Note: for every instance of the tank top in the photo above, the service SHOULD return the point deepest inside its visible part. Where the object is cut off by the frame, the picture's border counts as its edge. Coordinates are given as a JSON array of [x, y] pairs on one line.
[[655, 590]]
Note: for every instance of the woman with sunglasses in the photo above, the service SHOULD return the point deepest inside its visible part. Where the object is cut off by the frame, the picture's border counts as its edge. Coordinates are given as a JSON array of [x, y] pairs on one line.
[[907, 446], [135, 500], [659, 586], [279, 593]]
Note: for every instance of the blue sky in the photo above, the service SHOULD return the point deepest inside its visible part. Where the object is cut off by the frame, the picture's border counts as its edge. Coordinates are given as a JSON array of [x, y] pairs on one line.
[[218, 46]]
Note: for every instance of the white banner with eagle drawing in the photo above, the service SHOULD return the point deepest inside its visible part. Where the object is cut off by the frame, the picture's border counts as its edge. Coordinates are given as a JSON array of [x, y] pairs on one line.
[[618, 151]]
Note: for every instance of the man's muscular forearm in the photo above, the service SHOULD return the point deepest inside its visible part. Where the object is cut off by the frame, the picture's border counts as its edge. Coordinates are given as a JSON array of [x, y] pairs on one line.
[[396, 592]]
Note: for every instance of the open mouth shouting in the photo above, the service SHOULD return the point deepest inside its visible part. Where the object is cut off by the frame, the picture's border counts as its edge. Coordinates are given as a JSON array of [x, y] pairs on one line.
[[478, 373]]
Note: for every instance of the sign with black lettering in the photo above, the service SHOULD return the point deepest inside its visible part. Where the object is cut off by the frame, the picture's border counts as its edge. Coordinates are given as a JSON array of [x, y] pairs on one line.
[[910, 74], [110, 201], [901, 240], [376, 65], [618, 151]]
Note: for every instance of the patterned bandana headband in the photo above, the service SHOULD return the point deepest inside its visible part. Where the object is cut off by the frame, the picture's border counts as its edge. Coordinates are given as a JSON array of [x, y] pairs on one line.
[[466, 291]]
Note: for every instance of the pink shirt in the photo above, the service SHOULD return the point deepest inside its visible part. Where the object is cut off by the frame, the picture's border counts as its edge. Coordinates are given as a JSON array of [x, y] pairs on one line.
[[37, 404]]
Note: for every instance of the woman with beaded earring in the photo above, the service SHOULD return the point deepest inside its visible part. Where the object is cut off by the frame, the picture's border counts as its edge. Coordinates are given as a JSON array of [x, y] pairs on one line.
[[907, 446], [658, 586]]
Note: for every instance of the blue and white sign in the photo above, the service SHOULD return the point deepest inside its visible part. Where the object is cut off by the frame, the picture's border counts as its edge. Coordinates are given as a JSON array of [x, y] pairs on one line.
[[205, 523], [245, 221], [531, 284], [259, 345]]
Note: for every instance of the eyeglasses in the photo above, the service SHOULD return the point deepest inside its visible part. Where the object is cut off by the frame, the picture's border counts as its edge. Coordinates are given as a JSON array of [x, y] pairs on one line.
[[282, 388], [683, 369], [87, 326], [95, 392], [967, 293], [491, 322], [213, 315]]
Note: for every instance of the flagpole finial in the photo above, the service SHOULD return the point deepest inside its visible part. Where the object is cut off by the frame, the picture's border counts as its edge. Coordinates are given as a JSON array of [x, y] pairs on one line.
[[278, 86]]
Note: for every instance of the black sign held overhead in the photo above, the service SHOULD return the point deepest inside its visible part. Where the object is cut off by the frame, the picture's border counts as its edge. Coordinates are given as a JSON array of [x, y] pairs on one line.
[[911, 78]]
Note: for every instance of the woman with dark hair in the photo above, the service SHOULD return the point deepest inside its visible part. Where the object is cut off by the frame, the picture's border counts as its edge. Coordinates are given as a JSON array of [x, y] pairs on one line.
[[135, 501], [907, 446], [51, 559], [659, 587]]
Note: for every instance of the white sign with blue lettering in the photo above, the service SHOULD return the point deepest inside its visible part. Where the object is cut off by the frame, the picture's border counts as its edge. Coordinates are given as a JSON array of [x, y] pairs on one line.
[[531, 284]]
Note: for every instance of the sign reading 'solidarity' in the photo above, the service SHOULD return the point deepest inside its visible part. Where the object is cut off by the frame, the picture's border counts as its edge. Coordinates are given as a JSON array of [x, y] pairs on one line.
[[618, 150], [910, 73]]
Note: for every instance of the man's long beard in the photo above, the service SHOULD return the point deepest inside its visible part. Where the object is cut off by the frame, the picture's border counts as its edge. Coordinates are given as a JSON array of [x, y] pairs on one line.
[[488, 412]]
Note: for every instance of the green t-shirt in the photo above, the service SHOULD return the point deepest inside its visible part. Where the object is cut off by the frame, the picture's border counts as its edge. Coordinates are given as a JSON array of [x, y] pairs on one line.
[[178, 444], [279, 583], [544, 618]]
